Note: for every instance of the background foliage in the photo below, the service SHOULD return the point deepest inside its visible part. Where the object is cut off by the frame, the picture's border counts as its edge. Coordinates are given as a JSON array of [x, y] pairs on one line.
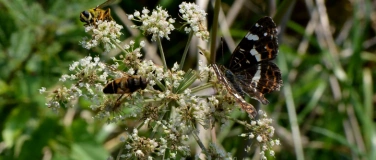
[[324, 110]]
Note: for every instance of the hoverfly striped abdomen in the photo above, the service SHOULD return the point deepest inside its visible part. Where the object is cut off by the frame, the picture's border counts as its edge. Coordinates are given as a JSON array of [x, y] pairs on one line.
[[126, 84]]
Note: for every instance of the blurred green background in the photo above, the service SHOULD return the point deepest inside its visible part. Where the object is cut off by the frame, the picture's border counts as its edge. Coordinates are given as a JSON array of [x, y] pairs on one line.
[[323, 111]]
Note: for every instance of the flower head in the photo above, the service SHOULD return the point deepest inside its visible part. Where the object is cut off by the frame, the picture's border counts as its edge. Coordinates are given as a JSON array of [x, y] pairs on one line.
[[90, 75], [194, 17], [158, 24], [132, 56], [263, 132], [105, 32]]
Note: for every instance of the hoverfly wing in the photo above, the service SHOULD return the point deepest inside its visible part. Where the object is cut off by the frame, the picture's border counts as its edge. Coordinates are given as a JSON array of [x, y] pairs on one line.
[[105, 4]]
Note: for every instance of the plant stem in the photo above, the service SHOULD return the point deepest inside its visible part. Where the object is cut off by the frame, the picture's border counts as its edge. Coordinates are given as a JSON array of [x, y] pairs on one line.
[[213, 38], [190, 77], [194, 133], [201, 87], [159, 84], [118, 46], [186, 50], [120, 152], [162, 53], [138, 127], [157, 125], [238, 121], [146, 100]]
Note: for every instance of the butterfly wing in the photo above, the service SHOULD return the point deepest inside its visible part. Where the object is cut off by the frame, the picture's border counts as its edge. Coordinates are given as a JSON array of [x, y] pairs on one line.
[[260, 44], [251, 60], [259, 79], [250, 70], [233, 89]]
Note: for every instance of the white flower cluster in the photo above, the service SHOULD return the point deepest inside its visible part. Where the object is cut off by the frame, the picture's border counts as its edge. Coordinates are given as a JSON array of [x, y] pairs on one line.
[[87, 70], [263, 132], [158, 24], [193, 108], [174, 134], [204, 70], [172, 78], [203, 112], [194, 17], [146, 68], [105, 32], [132, 56], [141, 147], [90, 75]]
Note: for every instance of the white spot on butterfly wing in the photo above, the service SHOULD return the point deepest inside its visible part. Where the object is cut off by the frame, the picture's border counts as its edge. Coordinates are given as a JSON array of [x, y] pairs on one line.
[[252, 37], [256, 54], [257, 76], [253, 52]]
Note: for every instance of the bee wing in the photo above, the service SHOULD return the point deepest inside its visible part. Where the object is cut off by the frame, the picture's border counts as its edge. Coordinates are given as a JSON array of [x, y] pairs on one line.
[[107, 3]]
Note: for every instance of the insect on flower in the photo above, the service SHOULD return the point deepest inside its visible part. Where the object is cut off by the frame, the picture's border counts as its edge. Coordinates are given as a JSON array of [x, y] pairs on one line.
[[91, 16], [251, 71], [125, 85]]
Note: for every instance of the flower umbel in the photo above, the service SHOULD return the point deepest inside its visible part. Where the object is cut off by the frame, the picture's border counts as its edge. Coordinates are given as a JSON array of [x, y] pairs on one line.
[[262, 132], [158, 24], [194, 17], [105, 32], [131, 57], [90, 75]]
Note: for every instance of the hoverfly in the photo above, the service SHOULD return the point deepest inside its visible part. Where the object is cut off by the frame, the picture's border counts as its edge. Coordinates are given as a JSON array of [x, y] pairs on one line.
[[125, 84], [92, 15]]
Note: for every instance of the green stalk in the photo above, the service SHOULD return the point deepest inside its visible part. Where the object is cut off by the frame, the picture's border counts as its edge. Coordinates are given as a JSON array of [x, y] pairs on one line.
[[189, 79], [162, 53], [120, 153], [238, 121], [201, 87], [186, 50], [159, 84], [368, 123], [118, 46], [140, 125], [199, 142], [213, 37]]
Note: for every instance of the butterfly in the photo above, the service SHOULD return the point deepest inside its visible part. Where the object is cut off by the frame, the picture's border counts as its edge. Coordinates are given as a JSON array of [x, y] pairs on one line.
[[250, 70]]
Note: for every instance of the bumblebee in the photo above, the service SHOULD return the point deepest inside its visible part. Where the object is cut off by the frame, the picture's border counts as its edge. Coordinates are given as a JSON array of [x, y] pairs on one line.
[[91, 16]]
